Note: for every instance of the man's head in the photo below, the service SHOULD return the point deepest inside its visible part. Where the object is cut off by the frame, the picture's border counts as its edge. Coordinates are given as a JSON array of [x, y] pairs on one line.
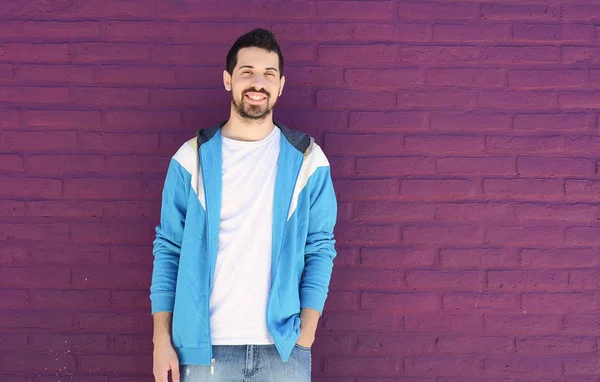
[[254, 74]]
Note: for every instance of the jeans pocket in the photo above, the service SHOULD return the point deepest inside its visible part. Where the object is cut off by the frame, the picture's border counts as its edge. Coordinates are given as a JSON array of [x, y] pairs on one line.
[[303, 348]]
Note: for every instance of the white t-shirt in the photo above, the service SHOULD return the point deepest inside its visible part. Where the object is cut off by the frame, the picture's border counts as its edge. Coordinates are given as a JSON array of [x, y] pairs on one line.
[[242, 279]]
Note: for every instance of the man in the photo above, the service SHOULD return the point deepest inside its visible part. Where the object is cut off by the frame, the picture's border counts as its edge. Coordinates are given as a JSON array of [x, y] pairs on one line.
[[244, 249]]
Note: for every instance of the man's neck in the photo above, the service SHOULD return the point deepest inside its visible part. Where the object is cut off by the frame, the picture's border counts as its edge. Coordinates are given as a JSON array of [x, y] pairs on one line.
[[242, 130]]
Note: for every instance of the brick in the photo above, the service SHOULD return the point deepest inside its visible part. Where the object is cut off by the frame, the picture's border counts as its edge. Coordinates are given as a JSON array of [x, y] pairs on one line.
[[578, 32], [546, 79], [367, 234], [582, 235], [523, 323], [480, 344], [361, 56], [363, 320], [187, 97], [367, 279], [395, 166], [93, 52], [13, 342], [580, 54], [192, 54], [444, 323], [137, 75], [444, 144], [560, 258], [277, 11], [29, 277], [582, 365], [556, 345], [135, 163], [103, 232], [406, 302], [39, 363], [130, 322], [418, 10], [538, 366], [359, 100], [365, 78], [135, 255], [309, 33], [578, 100], [144, 209], [109, 96], [30, 188], [14, 255], [35, 320], [68, 255], [58, 74], [9, 118], [559, 302], [583, 279], [109, 363], [101, 188], [354, 10], [380, 189], [465, 99], [520, 11], [11, 163], [57, 119], [392, 120], [111, 278], [521, 55], [471, 78], [395, 345], [470, 122], [478, 257], [221, 32], [577, 323], [18, 141], [64, 164], [553, 122], [528, 235], [396, 257], [472, 32], [132, 343], [440, 365], [12, 208], [489, 301], [517, 100], [537, 32], [34, 95], [473, 211], [586, 188], [340, 301], [445, 188], [45, 232], [583, 12], [518, 145], [393, 211], [341, 167], [199, 76], [423, 280], [476, 166], [528, 280], [380, 32], [51, 30], [141, 120], [71, 299], [116, 142], [142, 31], [35, 53], [444, 55], [523, 187], [363, 144], [567, 212], [80, 344], [87, 378], [77, 208], [536, 166], [6, 72], [441, 234], [351, 366], [130, 300], [595, 77], [13, 299]]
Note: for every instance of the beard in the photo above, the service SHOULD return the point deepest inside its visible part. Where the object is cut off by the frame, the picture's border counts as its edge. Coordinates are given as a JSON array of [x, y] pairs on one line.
[[252, 112]]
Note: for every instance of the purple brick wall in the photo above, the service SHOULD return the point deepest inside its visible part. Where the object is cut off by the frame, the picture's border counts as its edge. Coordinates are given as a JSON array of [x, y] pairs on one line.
[[463, 137]]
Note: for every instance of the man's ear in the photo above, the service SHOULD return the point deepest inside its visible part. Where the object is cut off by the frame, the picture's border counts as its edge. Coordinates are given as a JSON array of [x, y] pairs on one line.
[[282, 82], [227, 80]]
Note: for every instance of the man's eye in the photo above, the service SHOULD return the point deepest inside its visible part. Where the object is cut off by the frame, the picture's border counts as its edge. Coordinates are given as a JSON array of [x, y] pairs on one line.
[[271, 74], [246, 72]]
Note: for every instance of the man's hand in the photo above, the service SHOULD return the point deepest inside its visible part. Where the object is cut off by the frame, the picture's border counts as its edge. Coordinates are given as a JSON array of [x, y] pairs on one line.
[[165, 359], [308, 327]]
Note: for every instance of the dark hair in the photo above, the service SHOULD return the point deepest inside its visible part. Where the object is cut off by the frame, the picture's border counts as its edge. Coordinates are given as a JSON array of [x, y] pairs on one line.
[[260, 38]]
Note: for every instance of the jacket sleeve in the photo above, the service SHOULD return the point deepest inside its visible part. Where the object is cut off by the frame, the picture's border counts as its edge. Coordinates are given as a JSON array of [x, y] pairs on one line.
[[319, 251], [169, 235]]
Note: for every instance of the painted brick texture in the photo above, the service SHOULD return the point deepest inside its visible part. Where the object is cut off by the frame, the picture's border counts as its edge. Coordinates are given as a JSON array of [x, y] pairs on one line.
[[464, 143]]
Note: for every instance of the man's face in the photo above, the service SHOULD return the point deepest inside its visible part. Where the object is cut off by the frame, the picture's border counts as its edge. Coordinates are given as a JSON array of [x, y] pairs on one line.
[[255, 83]]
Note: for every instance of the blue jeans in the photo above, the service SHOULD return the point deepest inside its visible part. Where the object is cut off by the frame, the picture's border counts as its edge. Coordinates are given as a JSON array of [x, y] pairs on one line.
[[248, 363]]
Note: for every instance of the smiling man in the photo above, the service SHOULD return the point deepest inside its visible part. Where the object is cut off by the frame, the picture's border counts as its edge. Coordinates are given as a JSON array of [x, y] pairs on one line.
[[244, 250]]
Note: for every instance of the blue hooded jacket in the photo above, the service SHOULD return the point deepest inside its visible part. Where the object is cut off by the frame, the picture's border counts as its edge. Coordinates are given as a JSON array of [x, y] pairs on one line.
[[185, 248]]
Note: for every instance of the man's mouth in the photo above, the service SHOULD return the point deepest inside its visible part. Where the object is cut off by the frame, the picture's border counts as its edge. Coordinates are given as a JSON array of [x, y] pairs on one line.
[[256, 97]]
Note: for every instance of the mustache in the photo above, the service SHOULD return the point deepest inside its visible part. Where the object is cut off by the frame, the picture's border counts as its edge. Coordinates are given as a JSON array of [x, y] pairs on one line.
[[254, 90]]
